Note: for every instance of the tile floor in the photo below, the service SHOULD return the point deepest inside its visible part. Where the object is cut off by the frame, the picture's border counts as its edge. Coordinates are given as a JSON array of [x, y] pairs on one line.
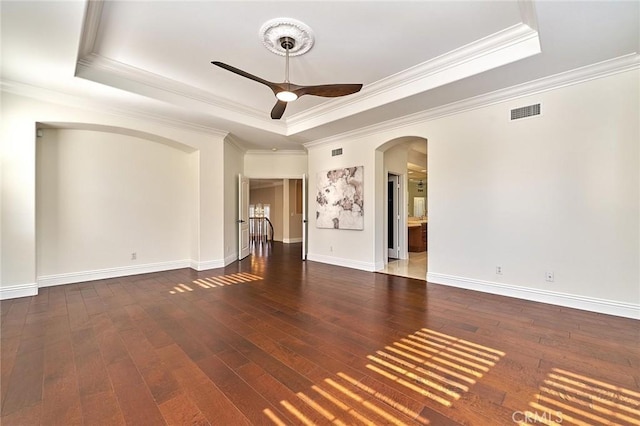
[[414, 267]]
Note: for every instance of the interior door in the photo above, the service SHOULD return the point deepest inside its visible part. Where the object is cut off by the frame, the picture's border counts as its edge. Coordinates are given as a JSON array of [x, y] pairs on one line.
[[305, 222], [243, 217], [393, 216]]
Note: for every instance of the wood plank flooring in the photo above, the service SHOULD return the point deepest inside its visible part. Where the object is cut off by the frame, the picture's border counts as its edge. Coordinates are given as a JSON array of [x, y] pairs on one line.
[[272, 340]]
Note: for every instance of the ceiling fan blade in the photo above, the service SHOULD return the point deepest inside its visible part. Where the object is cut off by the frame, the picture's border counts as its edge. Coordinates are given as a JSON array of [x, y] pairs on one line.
[[329, 90], [278, 110], [244, 74]]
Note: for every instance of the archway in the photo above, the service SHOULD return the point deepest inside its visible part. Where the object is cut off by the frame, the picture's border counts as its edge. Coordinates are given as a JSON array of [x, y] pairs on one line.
[[405, 229], [111, 201]]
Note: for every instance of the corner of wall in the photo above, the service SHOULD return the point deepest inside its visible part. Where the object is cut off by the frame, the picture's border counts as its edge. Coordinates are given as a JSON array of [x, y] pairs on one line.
[[18, 290]]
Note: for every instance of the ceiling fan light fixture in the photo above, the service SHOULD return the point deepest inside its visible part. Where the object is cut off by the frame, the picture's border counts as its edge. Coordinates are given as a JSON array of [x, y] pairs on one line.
[[293, 38], [286, 96]]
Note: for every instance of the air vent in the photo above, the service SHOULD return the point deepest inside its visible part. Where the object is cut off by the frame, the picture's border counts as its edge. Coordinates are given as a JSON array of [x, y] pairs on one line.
[[527, 111], [335, 152]]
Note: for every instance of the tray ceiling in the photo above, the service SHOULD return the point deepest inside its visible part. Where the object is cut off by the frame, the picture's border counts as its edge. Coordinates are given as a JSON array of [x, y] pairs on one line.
[[154, 57]]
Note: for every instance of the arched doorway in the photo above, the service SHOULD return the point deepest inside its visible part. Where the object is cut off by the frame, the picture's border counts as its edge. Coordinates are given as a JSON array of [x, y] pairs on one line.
[[406, 216]]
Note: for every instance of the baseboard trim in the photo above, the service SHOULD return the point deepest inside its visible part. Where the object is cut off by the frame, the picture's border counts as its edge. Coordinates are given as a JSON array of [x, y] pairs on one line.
[[101, 274], [603, 306], [18, 290], [339, 261], [291, 240], [230, 259], [208, 264]]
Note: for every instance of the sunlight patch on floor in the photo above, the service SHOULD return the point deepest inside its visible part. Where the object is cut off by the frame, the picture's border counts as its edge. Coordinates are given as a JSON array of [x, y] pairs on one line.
[[575, 399], [433, 365], [217, 281]]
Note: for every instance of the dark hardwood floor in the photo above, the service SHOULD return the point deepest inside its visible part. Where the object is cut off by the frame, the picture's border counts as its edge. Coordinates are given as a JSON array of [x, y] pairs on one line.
[[273, 340]]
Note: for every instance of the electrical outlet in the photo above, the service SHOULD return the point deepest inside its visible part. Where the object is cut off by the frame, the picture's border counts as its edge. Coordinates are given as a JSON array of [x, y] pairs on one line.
[[499, 270], [134, 255], [549, 276], [331, 249]]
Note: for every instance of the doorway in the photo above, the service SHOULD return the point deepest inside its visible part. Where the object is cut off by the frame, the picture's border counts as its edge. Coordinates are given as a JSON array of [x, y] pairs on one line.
[[275, 212], [406, 224], [393, 216]]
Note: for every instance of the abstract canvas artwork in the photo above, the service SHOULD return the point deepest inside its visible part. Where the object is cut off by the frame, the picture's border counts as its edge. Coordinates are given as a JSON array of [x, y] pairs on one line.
[[340, 199]]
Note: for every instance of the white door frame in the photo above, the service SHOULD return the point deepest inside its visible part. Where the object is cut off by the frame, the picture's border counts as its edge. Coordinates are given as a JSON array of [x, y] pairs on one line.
[[244, 247], [393, 215], [305, 221]]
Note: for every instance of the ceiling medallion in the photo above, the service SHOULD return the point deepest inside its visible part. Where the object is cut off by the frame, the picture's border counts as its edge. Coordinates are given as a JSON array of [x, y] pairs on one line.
[[274, 30]]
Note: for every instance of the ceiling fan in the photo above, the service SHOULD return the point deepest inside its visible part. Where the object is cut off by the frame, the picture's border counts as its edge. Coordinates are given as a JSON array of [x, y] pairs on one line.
[[287, 91]]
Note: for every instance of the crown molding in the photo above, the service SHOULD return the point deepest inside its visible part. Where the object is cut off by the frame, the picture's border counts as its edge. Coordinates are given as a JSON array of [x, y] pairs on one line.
[[100, 69], [506, 46], [235, 142], [278, 152], [52, 96], [92, 66], [557, 81], [90, 26], [528, 13]]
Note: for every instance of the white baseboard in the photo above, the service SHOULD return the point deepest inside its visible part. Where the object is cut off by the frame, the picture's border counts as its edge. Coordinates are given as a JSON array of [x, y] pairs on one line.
[[339, 261], [603, 306], [19, 290], [100, 274], [230, 259], [291, 240], [207, 264]]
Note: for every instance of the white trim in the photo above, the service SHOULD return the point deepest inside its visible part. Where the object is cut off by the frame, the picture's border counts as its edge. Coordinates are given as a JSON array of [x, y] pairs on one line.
[[103, 70], [210, 264], [291, 240], [18, 290], [509, 45], [580, 75], [100, 274], [505, 46], [84, 102], [233, 140], [528, 13], [90, 26], [278, 152], [230, 259], [604, 306], [340, 261]]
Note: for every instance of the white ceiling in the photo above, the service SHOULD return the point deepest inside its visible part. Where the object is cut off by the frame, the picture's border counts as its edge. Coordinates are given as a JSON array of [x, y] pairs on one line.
[[153, 58]]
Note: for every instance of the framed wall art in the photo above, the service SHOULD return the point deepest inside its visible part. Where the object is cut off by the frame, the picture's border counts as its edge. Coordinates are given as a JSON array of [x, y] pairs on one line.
[[340, 198]]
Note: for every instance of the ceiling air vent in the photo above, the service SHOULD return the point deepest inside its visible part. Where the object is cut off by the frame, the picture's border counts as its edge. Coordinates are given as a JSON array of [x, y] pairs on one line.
[[335, 152], [527, 111]]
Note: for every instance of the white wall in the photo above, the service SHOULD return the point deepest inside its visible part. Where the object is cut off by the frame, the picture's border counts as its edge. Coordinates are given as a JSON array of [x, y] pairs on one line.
[[559, 192], [102, 196], [353, 248], [275, 164], [20, 115]]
